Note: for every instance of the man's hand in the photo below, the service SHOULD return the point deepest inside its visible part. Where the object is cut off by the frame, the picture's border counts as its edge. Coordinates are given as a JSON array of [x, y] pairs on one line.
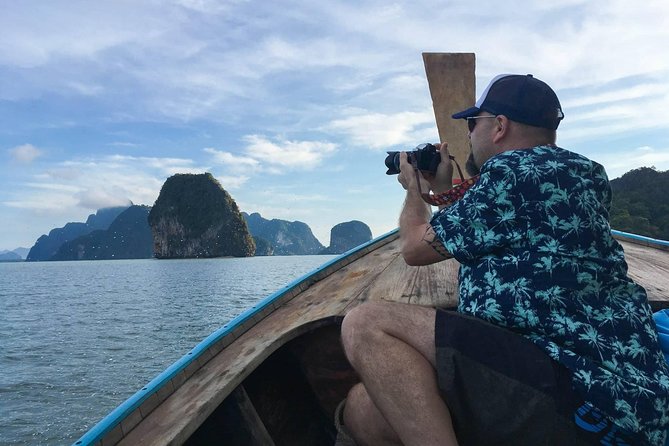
[[442, 180]]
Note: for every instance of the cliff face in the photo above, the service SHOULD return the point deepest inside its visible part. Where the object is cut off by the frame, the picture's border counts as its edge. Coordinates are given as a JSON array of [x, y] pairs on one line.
[[263, 247], [128, 237], [285, 237], [195, 217], [47, 245], [348, 235]]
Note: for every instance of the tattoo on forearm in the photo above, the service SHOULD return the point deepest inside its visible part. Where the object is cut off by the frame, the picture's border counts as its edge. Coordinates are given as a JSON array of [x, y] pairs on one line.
[[430, 237]]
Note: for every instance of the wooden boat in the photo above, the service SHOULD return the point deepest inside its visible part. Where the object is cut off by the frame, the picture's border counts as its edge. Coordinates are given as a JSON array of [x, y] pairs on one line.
[[274, 375]]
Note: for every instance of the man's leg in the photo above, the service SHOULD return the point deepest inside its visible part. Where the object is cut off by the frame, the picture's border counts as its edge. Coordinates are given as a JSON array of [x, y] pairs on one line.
[[362, 417], [391, 346]]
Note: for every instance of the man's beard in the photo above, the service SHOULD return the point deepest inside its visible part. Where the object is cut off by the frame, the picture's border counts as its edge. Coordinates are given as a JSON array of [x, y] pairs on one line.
[[471, 167]]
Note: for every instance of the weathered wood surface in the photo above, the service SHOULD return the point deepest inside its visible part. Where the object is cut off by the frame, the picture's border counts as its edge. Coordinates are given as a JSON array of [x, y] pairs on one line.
[[259, 434], [649, 267], [452, 84]]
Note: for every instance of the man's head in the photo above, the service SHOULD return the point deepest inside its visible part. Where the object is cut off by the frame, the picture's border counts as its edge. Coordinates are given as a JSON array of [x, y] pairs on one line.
[[515, 111], [522, 99]]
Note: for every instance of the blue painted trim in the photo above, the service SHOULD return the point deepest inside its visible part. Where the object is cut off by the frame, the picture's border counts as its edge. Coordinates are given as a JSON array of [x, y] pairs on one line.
[[642, 238], [97, 432]]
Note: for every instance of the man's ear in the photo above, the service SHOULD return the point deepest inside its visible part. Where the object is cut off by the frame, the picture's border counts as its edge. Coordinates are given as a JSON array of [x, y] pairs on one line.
[[501, 128]]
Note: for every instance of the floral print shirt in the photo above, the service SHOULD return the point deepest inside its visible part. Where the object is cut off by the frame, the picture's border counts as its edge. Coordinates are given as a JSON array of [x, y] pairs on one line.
[[537, 257]]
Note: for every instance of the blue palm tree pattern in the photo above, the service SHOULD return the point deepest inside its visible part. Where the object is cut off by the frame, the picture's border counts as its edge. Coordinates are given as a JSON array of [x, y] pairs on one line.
[[537, 257]]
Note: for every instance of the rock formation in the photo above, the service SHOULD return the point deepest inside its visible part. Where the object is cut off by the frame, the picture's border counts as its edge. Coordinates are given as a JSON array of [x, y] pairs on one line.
[[285, 237], [128, 237], [263, 247], [47, 245], [195, 217], [10, 256], [348, 235]]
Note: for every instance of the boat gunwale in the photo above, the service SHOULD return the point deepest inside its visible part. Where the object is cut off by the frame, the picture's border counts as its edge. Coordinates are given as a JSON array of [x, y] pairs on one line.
[[234, 327], [641, 240]]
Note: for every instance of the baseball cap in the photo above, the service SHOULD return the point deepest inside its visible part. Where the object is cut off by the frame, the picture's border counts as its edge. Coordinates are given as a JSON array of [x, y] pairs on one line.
[[521, 98]]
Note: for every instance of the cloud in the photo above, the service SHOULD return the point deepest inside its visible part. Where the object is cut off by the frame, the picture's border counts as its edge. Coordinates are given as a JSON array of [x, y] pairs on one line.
[[166, 166], [207, 6], [44, 203], [290, 154], [25, 154], [380, 131], [54, 187], [232, 182], [98, 199], [98, 182], [262, 154], [232, 162]]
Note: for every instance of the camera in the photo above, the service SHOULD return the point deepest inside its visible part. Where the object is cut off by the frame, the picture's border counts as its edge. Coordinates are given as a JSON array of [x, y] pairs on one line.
[[425, 157]]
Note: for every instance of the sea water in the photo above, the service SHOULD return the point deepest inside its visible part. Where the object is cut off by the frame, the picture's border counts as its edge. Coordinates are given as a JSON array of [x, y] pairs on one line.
[[78, 338]]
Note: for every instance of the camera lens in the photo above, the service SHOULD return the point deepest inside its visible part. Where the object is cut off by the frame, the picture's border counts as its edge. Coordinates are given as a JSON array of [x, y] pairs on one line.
[[393, 163]]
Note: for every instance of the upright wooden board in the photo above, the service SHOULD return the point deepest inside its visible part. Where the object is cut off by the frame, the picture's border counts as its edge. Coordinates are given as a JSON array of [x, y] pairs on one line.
[[452, 81]]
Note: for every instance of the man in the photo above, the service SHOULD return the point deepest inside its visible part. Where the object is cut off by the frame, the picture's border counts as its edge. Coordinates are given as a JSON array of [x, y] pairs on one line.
[[552, 343]]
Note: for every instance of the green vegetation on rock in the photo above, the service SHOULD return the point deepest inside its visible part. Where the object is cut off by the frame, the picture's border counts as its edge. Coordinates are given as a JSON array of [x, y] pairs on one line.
[[640, 204], [195, 217], [347, 235]]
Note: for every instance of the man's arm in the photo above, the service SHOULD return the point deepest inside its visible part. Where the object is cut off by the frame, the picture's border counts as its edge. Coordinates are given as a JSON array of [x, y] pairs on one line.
[[420, 244]]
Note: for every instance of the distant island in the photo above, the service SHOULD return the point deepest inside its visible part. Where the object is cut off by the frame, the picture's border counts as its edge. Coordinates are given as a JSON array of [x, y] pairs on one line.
[[127, 237], [285, 238], [195, 217], [47, 245], [192, 217], [348, 235], [10, 256]]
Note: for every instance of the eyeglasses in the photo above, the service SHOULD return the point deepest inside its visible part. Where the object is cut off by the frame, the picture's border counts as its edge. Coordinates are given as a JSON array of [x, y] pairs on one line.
[[471, 121]]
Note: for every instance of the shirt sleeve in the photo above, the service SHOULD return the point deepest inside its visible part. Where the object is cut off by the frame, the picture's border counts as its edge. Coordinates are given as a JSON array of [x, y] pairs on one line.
[[485, 220]]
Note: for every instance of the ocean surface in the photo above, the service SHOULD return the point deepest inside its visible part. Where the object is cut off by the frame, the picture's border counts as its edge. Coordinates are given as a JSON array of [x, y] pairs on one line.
[[79, 338]]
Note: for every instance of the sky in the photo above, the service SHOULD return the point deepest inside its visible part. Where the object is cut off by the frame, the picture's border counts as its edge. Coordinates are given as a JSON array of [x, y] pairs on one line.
[[292, 105]]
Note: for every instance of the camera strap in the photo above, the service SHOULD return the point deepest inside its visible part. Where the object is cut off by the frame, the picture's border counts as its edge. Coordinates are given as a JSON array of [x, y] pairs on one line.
[[450, 196]]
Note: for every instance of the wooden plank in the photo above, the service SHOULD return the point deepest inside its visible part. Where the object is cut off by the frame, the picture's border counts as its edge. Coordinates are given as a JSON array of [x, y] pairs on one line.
[[452, 83], [259, 434], [437, 285]]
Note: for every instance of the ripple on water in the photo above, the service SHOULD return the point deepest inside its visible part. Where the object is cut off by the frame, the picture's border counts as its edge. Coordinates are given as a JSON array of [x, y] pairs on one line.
[[78, 338]]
